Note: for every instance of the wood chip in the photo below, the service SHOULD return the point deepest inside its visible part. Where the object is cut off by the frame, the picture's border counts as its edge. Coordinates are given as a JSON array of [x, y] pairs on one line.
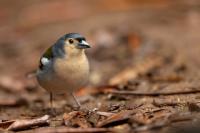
[[6, 124], [26, 124]]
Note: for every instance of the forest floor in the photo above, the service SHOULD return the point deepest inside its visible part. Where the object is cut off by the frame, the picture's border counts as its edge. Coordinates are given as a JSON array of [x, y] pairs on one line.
[[144, 77]]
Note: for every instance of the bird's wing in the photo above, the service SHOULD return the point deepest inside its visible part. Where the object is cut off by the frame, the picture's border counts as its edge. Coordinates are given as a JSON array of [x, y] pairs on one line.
[[46, 58]]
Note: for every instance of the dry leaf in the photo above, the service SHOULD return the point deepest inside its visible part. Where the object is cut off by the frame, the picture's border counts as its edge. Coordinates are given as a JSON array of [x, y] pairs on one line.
[[116, 119], [25, 124]]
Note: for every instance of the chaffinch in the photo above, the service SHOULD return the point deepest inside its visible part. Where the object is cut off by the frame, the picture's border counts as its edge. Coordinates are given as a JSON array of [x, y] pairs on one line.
[[64, 67]]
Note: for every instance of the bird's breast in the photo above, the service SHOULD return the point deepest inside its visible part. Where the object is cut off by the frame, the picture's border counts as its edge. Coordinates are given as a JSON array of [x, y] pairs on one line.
[[73, 72]]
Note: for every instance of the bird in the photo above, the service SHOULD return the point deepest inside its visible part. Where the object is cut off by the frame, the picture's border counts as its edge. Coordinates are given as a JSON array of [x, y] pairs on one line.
[[64, 68]]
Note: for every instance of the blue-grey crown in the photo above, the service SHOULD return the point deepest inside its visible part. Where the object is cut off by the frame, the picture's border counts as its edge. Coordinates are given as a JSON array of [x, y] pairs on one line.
[[73, 35]]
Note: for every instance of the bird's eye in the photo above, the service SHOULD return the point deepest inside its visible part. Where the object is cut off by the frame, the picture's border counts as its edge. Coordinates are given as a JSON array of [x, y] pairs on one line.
[[71, 41]]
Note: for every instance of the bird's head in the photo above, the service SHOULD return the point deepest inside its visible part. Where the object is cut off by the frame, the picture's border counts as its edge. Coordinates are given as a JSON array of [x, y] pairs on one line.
[[71, 44]]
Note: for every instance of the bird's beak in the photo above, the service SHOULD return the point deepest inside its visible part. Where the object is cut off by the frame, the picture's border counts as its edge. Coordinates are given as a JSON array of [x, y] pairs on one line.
[[83, 45]]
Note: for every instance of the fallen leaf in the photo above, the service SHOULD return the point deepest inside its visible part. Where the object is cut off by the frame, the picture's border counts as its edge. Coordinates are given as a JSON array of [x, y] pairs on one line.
[[116, 119], [26, 124]]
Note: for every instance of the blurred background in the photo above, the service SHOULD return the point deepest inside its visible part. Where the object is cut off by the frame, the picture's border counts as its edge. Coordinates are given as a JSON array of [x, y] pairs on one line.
[[123, 33], [28, 28]]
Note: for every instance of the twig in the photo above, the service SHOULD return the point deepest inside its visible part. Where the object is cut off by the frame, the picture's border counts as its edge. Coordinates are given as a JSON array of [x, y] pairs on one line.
[[72, 130], [160, 103], [107, 114], [152, 94]]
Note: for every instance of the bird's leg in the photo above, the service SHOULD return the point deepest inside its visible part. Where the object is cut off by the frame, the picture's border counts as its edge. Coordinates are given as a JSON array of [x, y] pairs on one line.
[[51, 100], [72, 101], [75, 105], [78, 106], [81, 108], [51, 104], [77, 102]]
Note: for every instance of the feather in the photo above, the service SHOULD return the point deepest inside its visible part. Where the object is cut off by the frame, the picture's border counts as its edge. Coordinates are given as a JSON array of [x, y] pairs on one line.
[[45, 59]]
